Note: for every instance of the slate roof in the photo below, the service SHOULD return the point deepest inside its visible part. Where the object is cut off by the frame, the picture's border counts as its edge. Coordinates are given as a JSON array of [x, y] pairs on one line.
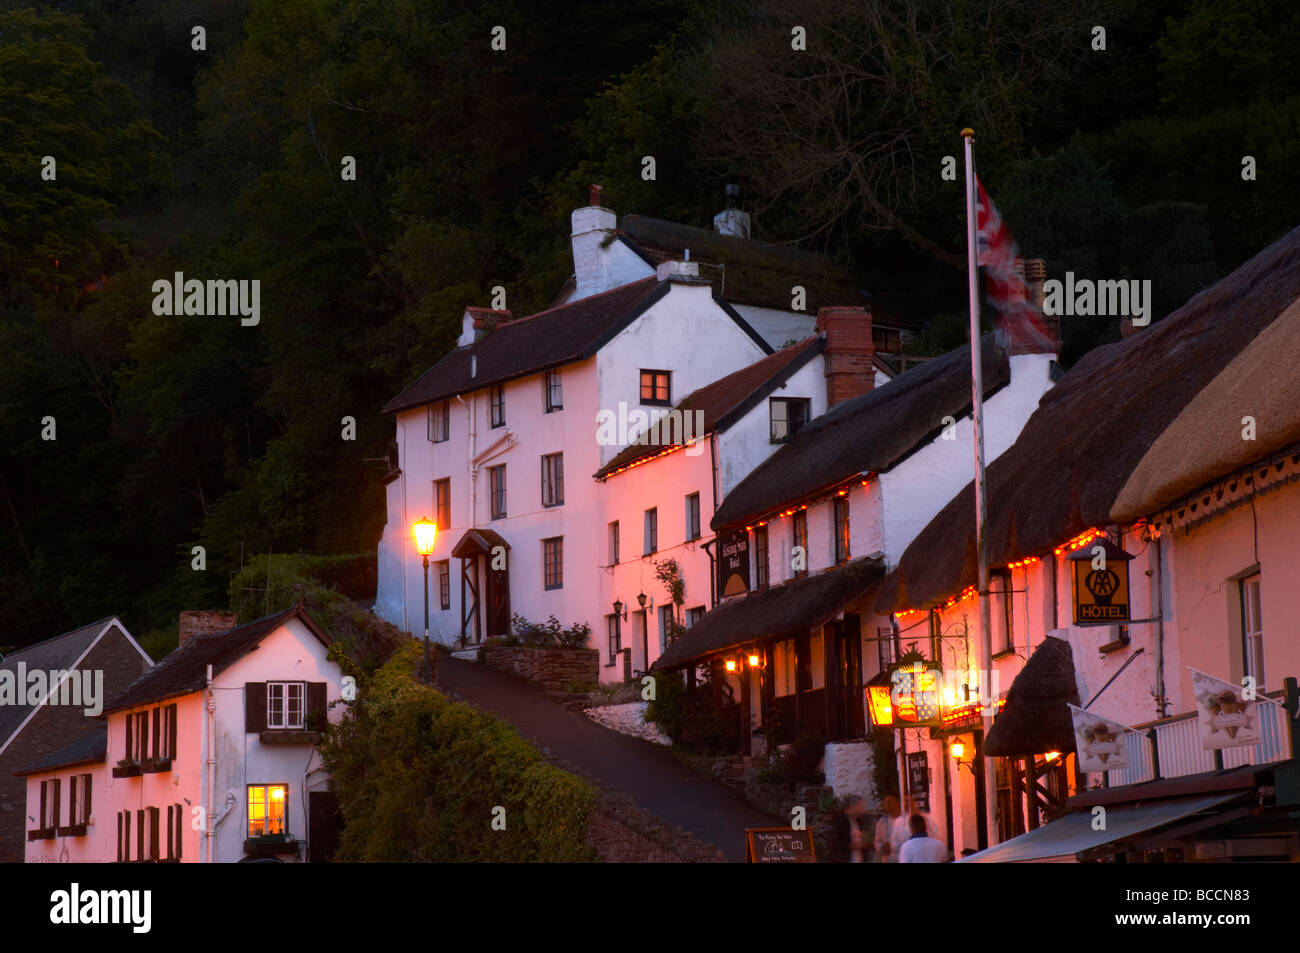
[[90, 748], [184, 670], [1036, 717], [754, 274], [562, 335], [871, 433], [60, 652], [1092, 431], [773, 613], [723, 402]]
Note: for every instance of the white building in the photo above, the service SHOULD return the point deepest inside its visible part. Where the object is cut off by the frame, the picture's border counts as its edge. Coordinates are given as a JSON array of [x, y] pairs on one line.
[[487, 437], [209, 757]]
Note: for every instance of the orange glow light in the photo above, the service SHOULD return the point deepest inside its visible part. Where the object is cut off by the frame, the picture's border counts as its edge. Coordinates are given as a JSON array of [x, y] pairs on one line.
[[731, 665]]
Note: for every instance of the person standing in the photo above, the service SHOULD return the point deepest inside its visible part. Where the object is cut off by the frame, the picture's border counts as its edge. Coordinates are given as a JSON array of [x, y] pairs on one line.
[[921, 848], [850, 838], [884, 830]]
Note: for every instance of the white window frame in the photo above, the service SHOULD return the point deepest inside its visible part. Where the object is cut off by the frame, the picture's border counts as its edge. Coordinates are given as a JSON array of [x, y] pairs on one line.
[[280, 712], [1252, 629]]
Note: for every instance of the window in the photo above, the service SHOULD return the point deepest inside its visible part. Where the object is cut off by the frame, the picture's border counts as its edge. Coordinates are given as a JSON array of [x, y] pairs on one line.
[[439, 421], [1000, 609], [784, 668], [553, 562], [655, 387], [442, 503], [613, 543], [444, 583], [123, 837], [137, 736], [175, 830], [498, 403], [497, 491], [79, 789], [667, 622], [1252, 630], [841, 528], [553, 479], [165, 739], [936, 634], [285, 704], [615, 637], [266, 809], [693, 516], [694, 615], [651, 532], [761, 576], [787, 415], [553, 394], [799, 539]]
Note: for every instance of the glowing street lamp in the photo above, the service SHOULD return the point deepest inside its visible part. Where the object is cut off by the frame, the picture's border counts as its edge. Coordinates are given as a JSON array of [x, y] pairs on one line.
[[426, 531]]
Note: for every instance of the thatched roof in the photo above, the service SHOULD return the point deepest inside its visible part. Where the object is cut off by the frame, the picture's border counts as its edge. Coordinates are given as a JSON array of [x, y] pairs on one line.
[[783, 611], [1036, 718], [871, 433], [721, 403], [1065, 472]]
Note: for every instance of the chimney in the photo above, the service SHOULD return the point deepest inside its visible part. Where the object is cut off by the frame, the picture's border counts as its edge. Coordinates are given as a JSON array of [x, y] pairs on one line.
[[669, 268], [593, 228], [205, 622], [732, 220], [850, 353], [478, 323]]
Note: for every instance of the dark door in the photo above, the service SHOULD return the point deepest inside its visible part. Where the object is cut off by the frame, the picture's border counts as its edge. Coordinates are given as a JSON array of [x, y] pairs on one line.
[[323, 826], [498, 599], [848, 652]]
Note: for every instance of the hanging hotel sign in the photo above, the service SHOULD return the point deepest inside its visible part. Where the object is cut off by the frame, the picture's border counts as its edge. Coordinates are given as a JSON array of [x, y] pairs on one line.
[[915, 692], [733, 563], [1100, 583], [1098, 741], [1228, 719]]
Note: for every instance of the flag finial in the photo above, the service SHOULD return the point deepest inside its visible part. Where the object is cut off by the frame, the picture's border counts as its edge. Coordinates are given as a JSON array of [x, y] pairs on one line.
[[968, 133]]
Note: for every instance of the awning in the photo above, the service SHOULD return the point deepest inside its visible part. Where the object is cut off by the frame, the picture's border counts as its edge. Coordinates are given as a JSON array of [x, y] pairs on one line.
[[777, 612], [478, 542], [1069, 836]]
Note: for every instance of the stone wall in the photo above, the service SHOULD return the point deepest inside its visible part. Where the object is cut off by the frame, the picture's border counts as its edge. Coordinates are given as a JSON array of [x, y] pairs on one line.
[[620, 832], [552, 669]]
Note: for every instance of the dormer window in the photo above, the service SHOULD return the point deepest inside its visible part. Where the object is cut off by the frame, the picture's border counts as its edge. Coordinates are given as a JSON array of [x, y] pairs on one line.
[[285, 704], [788, 414], [656, 387]]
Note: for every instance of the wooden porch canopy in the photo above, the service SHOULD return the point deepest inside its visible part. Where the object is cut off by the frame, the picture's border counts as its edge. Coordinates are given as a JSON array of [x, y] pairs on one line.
[[478, 542], [782, 611], [484, 590]]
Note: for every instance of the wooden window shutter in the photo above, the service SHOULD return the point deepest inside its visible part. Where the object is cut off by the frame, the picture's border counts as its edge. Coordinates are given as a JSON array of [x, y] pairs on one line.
[[154, 816], [171, 731], [72, 798], [171, 830], [55, 815], [40, 821], [180, 830], [157, 732], [254, 706], [130, 751], [85, 797], [316, 702], [139, 835], [119, 837]]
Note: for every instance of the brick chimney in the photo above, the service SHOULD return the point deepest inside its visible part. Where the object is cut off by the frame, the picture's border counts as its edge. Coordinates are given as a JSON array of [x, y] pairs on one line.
[[850, 353], [593, 227], [205, 622]]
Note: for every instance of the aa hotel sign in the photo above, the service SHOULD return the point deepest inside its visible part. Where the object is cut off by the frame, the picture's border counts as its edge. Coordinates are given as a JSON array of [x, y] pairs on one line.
[[1100, 583]]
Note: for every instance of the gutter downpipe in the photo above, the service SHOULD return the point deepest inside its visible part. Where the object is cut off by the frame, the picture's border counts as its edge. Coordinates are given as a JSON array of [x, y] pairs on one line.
[[1162, 703], [209, 830]]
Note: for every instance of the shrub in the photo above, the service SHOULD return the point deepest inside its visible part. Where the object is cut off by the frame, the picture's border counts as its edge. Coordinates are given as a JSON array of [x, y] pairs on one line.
[[418, 777], [800, 763], [548, 634], [668, 709]]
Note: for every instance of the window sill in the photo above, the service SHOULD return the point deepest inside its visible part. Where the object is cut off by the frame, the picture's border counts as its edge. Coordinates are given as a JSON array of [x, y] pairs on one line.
[[73, 830], [156, 765], [41, 833], [1118, 645], [289, 736], [1003, 653], [271, 844], [126, 770]]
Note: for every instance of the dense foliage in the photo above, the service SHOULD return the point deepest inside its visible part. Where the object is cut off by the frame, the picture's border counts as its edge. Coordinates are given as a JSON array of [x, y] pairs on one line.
[[226, 162], [420, 778]]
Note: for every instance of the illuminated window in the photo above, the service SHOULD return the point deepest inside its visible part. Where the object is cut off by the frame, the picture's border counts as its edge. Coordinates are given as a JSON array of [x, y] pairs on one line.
[[285, 704], [267, 804], [783, 666], [655, 387], [442, 503]]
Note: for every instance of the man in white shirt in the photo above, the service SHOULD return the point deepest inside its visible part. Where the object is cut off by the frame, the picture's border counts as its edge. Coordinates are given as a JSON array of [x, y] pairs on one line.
[[921, 848], [899, 828]]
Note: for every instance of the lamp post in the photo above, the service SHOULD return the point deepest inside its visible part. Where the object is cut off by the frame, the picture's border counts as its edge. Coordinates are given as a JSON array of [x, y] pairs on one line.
[[425, 533]]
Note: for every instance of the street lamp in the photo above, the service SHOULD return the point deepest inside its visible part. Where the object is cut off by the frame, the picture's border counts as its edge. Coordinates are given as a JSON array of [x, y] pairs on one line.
[[425, 532]]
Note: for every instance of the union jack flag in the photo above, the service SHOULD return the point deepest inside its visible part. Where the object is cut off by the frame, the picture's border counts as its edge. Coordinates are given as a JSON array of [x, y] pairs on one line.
[[1022, 323]]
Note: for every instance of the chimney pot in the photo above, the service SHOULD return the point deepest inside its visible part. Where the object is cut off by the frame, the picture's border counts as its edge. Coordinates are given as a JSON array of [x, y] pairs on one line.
[[205, 622], [595, 195]]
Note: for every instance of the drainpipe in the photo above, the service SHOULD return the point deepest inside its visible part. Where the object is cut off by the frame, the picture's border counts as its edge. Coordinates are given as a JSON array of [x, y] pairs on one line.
[[401, 549], [209, 829], [1157, 583], [472, 427]]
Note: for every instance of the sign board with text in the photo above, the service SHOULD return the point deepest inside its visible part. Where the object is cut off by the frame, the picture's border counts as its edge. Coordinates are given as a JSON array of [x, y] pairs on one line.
[[1100, 583], [733, 563], [778, 845]]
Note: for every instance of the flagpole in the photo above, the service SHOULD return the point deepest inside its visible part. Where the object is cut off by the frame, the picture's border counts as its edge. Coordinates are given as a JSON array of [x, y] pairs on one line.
[[981, 505]]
